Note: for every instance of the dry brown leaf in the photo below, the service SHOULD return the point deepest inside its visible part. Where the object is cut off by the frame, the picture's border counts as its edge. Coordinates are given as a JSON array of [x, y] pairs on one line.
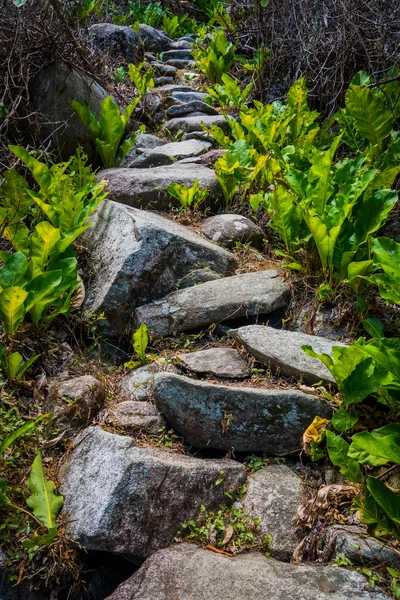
[[78, 296], [228, 534]]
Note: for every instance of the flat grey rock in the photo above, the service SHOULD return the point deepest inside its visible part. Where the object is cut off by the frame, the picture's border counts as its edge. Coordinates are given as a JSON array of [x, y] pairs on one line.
[[228, 229], [142, 188], [273, 495], [137, 256], [161, 81], [182, 44], [208, 159], [181, 64], [197, 276], [199, 135], [221, 362], [162, 69], [177, 54], [244, 418], [137, 384], [282, 350], [179, 110], [175, 87], [130, 500], [192, 96], [173, 151], [145, 141], [143, 416], [250, 294], [190, 124], [188, 572]]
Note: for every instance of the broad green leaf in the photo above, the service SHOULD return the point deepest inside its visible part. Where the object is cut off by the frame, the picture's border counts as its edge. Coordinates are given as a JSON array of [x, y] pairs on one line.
[[371, 118], [13, 361], [39, 170], [43, 242], [285, 216], [387, 500], [337, 449], [343, 420], [42, 291], [12, 310], [13, 270], [140, 341], [360, 383], [43, 502], [383, 443], [10, 439], [374, 327], [365, 458]]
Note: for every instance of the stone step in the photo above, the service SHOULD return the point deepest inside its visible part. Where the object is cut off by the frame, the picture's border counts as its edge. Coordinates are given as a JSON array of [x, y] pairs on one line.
[[130, 500], [220, 362], [162, 69], [191, 123], [197, 574], [182, 44], [170, 153], [192, 96], [250, 294], [137, 256], [172, 88], [148, 187], [181, 64], [282, 351], [179, 110], [228, 229], [159, 82], [242, 418], [177, 54]]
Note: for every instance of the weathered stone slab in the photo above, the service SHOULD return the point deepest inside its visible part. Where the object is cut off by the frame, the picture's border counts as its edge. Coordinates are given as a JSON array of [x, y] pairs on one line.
[[244, 418], [142, 188], [250, 294], [229, 229], [191, 123], [179, 110], [137, 256], [282, 350], [221, 362], [173, 151], [130, 500], [188, 572]]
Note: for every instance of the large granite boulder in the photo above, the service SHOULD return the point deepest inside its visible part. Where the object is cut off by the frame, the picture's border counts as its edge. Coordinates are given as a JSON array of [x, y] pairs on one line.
[[130, 500], [118, 40], [190, 573], [249, 294], [145, 188], [244, 418], [136, 256], [282, 351], [153, 39], [51, 91]]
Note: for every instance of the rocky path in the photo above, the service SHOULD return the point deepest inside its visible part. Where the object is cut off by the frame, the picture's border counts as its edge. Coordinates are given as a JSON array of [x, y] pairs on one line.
[[130, 499]]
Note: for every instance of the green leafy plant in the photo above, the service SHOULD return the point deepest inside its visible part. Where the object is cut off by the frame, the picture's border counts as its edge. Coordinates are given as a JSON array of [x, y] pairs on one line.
[[13, 365], [108, 130], [188, 197], [215, 59], [140, 340], [118, 75], [142, 77], [229, 95], [43, 502], [40, 278]]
